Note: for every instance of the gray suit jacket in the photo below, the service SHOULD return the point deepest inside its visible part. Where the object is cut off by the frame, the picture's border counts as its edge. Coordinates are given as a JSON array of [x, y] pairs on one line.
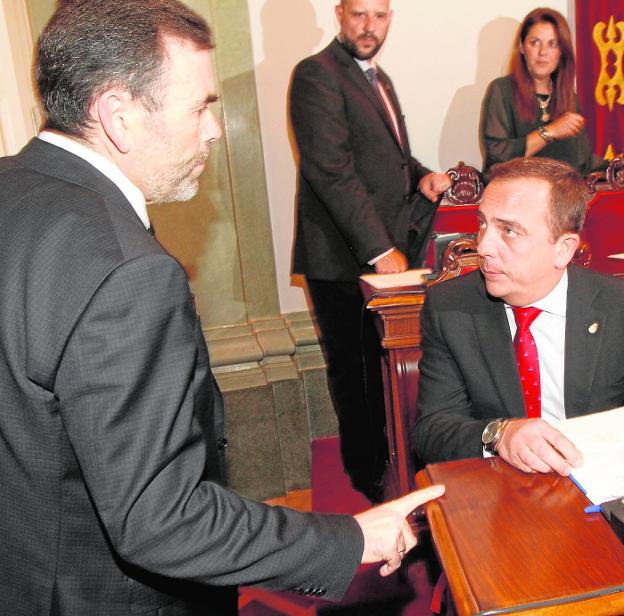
[[356, 187], [109, 417], [468, 374]]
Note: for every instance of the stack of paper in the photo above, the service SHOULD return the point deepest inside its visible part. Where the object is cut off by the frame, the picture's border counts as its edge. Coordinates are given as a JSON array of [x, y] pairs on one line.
[[600, 438]]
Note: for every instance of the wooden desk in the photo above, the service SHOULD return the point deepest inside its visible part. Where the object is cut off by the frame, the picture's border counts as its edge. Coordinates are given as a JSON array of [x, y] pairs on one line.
[[517, 543]]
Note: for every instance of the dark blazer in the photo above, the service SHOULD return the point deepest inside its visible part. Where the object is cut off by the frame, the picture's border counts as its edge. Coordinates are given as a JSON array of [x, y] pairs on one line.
[[468, 374], [356, 182], [109, 418], [504, 133]]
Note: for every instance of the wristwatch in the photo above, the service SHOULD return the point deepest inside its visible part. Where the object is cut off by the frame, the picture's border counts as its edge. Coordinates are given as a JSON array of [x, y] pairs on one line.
[[493, 433]]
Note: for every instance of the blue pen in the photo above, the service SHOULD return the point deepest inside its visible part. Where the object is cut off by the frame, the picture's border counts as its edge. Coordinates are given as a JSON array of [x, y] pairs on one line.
[[593, 509]]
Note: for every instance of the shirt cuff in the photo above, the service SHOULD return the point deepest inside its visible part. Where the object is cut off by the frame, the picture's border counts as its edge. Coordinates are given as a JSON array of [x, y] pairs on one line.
[[381, 256]]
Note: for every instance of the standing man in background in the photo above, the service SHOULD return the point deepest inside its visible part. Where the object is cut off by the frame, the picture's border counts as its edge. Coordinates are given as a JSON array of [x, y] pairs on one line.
[[358, 211], [110, 418]]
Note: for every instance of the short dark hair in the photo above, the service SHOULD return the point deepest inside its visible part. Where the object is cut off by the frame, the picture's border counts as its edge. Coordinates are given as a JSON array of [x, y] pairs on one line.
[[569, 192], [90, 45]]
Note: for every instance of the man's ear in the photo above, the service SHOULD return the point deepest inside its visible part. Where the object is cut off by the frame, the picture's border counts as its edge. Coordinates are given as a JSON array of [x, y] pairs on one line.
[[566, 247], [116, 111]]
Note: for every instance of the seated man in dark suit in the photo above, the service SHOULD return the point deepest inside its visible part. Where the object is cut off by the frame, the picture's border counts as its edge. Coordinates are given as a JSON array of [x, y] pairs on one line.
[[113, 500], [527, 338]]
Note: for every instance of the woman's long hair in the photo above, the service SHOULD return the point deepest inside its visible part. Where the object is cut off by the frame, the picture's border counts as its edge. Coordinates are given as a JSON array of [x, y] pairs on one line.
[[562, 77]]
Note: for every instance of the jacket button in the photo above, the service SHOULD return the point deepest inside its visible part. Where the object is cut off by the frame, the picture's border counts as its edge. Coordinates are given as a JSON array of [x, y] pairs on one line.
[[222, 443]]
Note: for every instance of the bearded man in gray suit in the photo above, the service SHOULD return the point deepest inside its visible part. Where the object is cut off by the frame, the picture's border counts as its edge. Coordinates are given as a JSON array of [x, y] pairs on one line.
[[109, 414]]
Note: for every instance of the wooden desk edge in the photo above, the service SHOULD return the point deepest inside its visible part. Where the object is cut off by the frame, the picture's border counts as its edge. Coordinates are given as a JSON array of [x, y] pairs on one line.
[[465, 602], [407, 298], [608, 604]]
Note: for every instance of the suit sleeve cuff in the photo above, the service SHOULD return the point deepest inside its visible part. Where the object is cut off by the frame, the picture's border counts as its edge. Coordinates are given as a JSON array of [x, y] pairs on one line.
[[379, 257]]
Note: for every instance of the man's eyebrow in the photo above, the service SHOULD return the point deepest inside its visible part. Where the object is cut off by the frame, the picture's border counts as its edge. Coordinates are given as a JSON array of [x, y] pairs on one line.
[[513, 224], [211, 98]]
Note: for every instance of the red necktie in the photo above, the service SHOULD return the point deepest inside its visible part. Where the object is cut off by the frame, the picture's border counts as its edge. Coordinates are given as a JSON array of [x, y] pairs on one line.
[[528, 360]]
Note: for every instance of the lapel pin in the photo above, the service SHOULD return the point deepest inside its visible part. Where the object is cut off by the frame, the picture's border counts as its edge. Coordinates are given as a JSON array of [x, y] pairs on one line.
[[593, 328]]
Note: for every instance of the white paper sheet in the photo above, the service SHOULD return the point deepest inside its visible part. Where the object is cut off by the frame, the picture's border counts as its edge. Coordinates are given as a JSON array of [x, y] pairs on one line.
[[404, 279], [600, 438]]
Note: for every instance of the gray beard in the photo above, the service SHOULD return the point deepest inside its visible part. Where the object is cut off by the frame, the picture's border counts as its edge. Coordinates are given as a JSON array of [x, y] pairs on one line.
[[176, 184]]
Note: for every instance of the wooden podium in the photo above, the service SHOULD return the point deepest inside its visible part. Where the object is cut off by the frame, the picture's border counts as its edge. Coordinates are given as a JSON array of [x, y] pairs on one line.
[[519, 543], [398, 325]]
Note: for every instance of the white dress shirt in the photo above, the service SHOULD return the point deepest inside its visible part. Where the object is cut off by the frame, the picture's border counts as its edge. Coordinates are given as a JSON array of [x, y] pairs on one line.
[[548, 331], [104, 166]]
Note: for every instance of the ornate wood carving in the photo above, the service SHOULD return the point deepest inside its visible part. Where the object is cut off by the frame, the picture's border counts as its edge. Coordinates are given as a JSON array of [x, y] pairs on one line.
[[615, 172], [466, 186], [610, 179], [459, 258]]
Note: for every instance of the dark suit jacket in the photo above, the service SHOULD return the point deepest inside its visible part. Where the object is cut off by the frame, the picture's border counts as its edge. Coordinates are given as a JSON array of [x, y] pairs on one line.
[[109, 415], [468, 374], [356, 183]]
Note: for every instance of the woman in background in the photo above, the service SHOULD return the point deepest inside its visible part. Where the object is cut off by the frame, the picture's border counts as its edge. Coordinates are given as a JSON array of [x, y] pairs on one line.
[[533, 111]]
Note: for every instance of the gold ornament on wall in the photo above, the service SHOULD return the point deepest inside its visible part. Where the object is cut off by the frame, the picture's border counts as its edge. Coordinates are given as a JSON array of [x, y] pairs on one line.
[[611, 79]]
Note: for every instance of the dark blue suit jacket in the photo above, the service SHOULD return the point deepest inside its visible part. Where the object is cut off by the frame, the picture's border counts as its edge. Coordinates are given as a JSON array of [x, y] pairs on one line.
[[468, 373]]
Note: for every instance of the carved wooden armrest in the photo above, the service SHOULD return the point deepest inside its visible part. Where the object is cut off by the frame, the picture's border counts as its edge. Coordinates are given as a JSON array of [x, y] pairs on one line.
[[610, 179], [615, 172], [459, 258]]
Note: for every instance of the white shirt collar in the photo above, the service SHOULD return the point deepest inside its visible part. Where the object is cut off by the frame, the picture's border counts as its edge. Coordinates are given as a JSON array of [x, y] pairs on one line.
[[556, 301], [104, 166], [364, 64]]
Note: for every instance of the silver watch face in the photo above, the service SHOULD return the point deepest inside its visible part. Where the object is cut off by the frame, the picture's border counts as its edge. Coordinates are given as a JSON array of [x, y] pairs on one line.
[[490, 432]]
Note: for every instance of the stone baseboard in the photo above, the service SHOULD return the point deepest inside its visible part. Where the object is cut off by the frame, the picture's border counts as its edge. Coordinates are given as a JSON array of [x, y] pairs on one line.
[[272, 374]]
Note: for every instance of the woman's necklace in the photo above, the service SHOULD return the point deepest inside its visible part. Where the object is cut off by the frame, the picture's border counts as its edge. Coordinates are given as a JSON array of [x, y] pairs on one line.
[[543, 101]]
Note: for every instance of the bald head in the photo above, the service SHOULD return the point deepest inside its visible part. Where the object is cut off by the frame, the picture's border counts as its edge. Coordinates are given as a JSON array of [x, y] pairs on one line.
[[363, 26]]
